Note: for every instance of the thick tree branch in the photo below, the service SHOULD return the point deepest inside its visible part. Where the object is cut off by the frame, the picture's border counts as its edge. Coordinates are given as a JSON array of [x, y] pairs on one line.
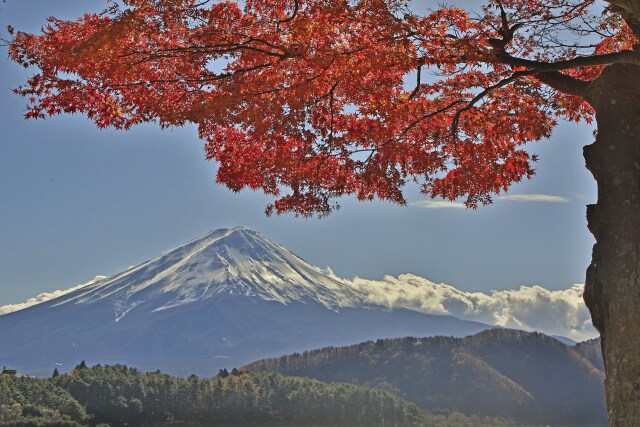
[[549, 72], [563, 83], [624, 56], [418, 82]]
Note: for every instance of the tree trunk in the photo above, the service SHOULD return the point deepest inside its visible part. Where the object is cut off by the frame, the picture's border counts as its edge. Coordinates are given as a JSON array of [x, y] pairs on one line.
[[612, 290]]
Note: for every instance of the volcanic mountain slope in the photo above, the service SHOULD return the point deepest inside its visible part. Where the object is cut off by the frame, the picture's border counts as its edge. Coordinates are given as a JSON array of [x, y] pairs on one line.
[[221, 300], [527, 376]]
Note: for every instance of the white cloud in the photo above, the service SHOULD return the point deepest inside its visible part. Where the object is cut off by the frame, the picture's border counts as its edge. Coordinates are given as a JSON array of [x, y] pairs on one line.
[[6, 309], [533, 198], [544, 198], [438, 204], [531, 308]]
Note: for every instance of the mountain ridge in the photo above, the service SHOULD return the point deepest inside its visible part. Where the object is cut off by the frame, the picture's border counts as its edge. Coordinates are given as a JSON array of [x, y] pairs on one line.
[[497, 372], [221, 300]]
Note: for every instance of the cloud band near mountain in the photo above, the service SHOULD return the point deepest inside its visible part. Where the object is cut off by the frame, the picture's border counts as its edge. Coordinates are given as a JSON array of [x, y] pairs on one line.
[[531, 308]]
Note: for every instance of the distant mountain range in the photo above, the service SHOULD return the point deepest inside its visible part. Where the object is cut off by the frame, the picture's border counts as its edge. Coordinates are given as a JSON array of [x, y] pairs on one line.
[[222, 300], [529, 377]]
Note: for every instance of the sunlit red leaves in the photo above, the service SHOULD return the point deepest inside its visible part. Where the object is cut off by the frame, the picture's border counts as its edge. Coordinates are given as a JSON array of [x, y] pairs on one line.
[[310, 100]]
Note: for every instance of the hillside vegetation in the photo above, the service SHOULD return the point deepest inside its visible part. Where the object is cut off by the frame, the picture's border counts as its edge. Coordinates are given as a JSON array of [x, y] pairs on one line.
[[119, 395], [36, 402], [495, 378], [526, 376]]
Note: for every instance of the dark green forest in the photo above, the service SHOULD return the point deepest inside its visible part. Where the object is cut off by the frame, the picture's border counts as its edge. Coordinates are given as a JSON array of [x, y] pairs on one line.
[[34, 402], [117, 394]]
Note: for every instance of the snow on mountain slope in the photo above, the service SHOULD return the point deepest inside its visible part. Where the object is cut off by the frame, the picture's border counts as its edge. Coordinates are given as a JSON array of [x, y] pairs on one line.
[[237, 261], [221, 300], [245, 263]]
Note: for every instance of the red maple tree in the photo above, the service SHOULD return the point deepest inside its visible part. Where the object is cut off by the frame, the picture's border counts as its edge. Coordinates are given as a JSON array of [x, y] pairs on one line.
[[310, 100]]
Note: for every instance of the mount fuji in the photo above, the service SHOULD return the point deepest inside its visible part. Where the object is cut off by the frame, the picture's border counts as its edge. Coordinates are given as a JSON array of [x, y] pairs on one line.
[[224, 299]]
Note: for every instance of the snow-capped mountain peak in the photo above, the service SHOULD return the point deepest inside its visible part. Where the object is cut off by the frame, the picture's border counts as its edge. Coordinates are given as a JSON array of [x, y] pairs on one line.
[[236, 261], [224, 299]]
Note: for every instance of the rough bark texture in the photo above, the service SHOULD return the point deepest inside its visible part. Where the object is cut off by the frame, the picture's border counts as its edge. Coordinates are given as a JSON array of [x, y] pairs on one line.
[[630, 12], [613, 279]]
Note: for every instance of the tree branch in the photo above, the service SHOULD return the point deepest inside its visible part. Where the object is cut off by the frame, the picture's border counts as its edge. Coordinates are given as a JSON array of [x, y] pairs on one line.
[[624, 56], [456, 118], [296, 7], [563, 83], [418, 82]]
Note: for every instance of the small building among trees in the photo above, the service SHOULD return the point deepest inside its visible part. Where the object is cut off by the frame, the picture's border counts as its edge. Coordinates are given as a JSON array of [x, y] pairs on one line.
[[9, 371]]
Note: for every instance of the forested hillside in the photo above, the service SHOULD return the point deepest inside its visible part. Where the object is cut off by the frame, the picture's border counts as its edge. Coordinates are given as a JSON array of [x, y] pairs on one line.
[[527, 376], [495, 378], [119, 395], [36, 402]]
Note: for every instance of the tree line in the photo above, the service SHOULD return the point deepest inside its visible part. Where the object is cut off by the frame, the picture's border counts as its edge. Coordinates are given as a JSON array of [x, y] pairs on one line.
[[118, 394]]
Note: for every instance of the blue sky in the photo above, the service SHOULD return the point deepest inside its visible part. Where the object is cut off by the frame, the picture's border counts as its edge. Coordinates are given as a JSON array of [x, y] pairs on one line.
[[76, 202]]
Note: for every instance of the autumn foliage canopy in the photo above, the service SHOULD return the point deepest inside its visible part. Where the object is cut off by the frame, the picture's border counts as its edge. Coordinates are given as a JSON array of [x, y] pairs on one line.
[[309, 100]]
